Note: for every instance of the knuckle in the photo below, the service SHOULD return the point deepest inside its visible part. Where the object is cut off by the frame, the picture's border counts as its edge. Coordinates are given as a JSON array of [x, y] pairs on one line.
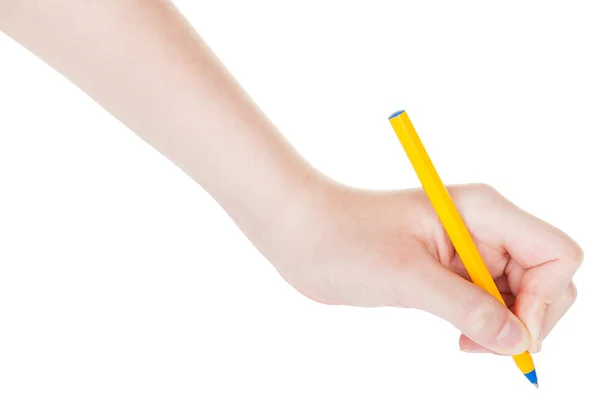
[[576, 254], [482, 195], [571, 293], [485, 190]]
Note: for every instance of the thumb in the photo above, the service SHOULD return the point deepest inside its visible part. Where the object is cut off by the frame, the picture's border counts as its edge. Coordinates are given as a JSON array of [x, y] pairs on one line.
[[471, 309]]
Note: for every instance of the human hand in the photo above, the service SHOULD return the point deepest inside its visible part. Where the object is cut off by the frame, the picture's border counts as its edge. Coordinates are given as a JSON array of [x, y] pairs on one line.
[[336, 245], [369, 249]]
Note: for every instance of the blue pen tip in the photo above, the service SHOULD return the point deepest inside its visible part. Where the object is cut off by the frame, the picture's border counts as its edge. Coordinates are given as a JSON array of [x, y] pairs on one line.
[[394, 115], [532, 377]]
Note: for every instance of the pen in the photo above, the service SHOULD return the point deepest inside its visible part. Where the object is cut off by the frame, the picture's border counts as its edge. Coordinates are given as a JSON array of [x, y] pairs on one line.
[[451, 220]]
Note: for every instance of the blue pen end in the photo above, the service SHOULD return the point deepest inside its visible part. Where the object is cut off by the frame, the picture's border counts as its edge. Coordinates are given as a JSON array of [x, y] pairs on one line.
[[394, 115], [532, 377]]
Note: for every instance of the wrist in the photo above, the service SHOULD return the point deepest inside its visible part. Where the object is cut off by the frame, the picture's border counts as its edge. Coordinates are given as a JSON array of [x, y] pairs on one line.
[[294, 220]]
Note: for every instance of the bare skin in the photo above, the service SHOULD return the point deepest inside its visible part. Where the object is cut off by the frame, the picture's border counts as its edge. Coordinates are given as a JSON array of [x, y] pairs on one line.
[[142, 62]]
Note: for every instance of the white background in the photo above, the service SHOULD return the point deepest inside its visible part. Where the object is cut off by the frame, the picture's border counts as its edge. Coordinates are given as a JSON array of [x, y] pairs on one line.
[[123, 282]]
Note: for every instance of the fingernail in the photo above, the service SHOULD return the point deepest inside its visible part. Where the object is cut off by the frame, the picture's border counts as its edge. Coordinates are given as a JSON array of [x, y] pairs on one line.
[[511, 335]]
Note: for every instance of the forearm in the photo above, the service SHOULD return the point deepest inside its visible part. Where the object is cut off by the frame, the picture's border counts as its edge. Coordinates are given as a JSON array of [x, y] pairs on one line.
[[144, 64]]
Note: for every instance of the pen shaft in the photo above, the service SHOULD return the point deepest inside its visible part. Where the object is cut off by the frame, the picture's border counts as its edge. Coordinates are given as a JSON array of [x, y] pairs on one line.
[[452, 221]]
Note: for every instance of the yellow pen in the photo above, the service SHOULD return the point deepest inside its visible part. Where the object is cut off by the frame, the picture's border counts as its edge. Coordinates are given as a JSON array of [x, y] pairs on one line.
[[452, 221]]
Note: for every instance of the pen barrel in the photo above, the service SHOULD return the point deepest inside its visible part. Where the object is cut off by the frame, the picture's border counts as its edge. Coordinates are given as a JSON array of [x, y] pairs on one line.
[[444, 206], [451, 220]]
